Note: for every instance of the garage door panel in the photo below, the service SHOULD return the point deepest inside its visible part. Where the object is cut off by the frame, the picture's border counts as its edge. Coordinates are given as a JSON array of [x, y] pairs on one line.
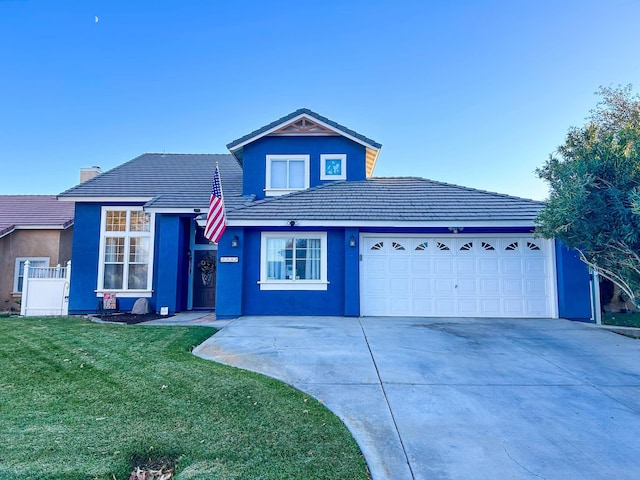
[[512, 266], [443, 266], [466, 266], [535, 266], [399, 286], [537, 307], [445, 307], [400, 306], [488, 266], [535, 286], [422, 306], [421, 287], [514, 307], [512, 286], [467, 286], [421, 266], [456, 276], [444, 286], [467, 306], [490, 307], [376, 266], [399, 266], [489, 286]]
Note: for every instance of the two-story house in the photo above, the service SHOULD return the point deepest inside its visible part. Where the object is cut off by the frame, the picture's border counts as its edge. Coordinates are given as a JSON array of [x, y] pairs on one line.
[[311, 231]]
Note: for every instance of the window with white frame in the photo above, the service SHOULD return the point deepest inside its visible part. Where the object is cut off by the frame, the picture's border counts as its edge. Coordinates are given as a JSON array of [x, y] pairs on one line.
[[126, 250], [333, 167], [286, 173], [18, 277], [293, 262]]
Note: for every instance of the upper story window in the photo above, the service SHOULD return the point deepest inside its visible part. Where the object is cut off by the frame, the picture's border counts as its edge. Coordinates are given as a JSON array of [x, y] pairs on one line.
[[286, 173], [333, 167], [126, 250]]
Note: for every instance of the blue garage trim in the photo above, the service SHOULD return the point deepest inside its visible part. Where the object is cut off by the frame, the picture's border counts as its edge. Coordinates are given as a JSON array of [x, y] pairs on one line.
[[574, 295]]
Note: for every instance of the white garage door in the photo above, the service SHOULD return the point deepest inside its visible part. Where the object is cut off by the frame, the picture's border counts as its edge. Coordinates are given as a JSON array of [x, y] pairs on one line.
[[456, 276]]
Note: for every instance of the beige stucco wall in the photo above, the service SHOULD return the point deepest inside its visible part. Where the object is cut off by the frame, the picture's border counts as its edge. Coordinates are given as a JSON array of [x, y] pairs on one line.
[[54, 244]]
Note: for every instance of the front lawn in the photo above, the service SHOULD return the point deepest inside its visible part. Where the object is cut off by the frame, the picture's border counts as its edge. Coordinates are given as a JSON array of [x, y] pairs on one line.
[[622, 319], [80, 400]]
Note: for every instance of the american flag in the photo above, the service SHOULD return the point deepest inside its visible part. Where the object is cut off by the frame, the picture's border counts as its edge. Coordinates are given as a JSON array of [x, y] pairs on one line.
[[216, 220]]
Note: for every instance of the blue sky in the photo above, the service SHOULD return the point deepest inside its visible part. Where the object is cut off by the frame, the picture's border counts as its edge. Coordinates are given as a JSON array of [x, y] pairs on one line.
[[476, 93]]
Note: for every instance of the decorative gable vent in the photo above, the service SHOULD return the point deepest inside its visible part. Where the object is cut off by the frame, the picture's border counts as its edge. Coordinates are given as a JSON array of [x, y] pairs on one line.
[[532, 246], [304, 126], [487, 246], [397, 246]]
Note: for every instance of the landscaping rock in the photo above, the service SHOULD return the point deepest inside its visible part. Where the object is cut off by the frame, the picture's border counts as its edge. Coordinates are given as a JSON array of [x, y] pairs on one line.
[[141, 307]]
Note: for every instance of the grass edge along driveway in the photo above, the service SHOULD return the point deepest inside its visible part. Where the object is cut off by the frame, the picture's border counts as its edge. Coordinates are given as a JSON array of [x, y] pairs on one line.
[[80, 400]]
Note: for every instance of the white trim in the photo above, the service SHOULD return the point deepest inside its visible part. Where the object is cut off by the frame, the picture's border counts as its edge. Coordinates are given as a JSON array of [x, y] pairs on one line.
[[102, 199], [266, 284], [43, 227], [16, 271], [126, 293], [126, 234], [273, 192], [295, 119], [337, 156], [379, 223], [203, 210]]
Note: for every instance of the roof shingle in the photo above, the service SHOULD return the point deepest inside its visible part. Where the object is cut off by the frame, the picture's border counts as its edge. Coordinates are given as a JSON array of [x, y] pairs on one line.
[[18, 211], [399, 199], [170, 180]]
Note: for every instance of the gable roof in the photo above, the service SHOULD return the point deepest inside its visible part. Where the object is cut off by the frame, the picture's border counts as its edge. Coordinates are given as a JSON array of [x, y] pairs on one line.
[[372, 147], [42, 212], [391, 199], [163, 180]]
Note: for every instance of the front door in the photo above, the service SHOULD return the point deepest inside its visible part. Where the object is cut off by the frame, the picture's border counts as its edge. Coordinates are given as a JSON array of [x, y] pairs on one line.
[[204, 279]]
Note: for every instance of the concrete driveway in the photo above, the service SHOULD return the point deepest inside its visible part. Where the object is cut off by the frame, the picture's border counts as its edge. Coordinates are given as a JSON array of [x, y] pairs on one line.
[[459, 398]]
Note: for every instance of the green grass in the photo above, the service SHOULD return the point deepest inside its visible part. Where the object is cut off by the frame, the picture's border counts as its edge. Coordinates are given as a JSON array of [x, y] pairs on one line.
[[80, 400], [622, 319]]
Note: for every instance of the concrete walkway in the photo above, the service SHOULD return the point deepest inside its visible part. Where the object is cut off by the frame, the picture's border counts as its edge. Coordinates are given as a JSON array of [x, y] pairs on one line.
[[459, 398]]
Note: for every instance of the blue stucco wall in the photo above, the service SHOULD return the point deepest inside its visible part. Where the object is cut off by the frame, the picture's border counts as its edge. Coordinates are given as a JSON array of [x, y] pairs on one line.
[[255, 154], [170, 279], [574, 295], [168, 250], [254, 301], [229, 282], [84, 259]]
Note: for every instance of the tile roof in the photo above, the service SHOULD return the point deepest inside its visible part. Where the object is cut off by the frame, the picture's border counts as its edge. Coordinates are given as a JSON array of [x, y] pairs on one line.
[[401, 199], [310, 113], [171, 180], [20, 211]]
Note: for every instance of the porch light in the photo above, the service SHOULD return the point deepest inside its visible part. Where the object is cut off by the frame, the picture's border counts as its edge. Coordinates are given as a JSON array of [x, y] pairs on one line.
[[352, 241], [234, 242]]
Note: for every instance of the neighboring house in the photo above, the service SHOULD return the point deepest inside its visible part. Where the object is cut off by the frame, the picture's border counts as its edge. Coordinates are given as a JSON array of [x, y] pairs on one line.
[[37, 228], [312, 232]]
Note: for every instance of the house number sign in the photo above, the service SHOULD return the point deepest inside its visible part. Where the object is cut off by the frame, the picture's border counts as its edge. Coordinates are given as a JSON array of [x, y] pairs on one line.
[[228, 259]]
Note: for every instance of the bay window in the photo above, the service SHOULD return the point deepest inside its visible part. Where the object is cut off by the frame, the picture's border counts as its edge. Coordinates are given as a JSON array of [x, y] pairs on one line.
[[126, 250]]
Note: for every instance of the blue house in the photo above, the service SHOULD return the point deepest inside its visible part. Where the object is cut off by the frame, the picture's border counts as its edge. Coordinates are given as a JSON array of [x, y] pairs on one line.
[[311, 231]]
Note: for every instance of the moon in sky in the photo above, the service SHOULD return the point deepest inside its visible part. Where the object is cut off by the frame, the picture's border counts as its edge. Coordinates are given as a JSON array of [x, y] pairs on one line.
[[96, 19]]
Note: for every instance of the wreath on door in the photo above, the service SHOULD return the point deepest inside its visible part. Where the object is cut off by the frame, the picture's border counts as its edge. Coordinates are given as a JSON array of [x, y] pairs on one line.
[[207, 266]]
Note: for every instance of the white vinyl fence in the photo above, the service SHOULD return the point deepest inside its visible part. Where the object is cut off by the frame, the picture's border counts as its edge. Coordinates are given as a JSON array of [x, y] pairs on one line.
[[45, 291]]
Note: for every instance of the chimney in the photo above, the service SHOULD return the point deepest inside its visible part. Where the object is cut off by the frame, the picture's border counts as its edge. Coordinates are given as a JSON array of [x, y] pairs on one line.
[[89, 172]]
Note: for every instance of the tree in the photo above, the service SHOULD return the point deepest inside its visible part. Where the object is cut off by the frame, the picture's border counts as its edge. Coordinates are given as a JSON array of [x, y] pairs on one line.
[[594, 199]]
